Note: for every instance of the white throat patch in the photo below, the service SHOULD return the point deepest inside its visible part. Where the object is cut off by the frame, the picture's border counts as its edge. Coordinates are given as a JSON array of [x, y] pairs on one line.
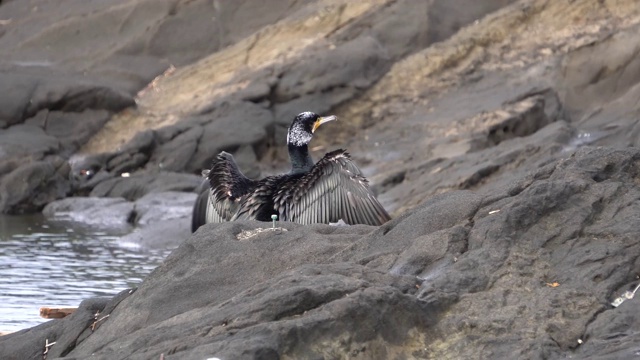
[[298, 137]]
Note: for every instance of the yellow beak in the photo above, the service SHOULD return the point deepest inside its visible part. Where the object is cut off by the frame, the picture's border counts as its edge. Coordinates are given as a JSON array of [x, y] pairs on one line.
[[322, 120]]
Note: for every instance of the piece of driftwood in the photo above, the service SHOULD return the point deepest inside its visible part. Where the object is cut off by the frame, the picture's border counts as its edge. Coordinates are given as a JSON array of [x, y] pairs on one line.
[[55, 313]]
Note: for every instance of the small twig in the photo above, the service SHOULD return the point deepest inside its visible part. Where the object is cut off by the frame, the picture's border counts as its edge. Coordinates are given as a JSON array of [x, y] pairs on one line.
[[96, 320], [47, 345]]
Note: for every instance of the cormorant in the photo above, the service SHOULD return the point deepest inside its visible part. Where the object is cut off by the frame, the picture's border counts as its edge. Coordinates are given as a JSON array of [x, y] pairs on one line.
[[327, 191]]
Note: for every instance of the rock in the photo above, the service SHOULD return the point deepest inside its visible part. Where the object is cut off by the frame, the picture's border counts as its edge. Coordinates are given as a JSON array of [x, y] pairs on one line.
[[176, 154], [164, 30], [321, 78], [77, 88], [26, 142], [158, 220], [302, 60], [157, 207], [191, 145], [513, 232], [29, 92], [595, 75], [526, 271], [88, 171], [600, 88], [59, 115], [352, 65], [519, 119], [167, 234], [68, 333], [93, 212], [138, 185], [31, 186], [426, 119], [126, 163], [447, 17], [552, 234], [609, 335], [71, 129], [229, 127]]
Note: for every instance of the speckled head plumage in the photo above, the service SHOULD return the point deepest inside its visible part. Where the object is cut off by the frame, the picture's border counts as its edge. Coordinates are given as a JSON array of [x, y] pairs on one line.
[[304, 125]]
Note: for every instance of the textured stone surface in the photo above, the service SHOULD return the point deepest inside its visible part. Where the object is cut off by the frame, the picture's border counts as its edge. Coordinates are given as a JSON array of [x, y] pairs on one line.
[[506, 152], [94, 212], [162, 206], [31, 186], [136, 186], [528, 271], [159, 220]]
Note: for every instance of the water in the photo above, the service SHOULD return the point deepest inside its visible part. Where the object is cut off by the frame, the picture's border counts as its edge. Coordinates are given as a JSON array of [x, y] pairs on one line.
[[52, 264]]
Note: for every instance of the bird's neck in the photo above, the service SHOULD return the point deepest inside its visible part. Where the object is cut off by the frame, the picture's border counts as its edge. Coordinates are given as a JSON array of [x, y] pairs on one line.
[[300, 159]]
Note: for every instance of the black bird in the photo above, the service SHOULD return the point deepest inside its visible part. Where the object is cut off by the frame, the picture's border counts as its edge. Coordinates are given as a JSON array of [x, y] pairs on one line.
[[327, 191]]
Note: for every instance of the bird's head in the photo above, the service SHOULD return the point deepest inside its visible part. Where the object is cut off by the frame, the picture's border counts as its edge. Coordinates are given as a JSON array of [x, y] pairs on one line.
[[304, 125]]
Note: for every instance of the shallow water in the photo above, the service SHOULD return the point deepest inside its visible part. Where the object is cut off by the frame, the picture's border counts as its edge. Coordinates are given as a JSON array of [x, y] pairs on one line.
[[54, 264]]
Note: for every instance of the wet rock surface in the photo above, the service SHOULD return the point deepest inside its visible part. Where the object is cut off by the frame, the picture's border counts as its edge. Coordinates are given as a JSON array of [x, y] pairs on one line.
[[159, 220], [101, 213], [507, 153]]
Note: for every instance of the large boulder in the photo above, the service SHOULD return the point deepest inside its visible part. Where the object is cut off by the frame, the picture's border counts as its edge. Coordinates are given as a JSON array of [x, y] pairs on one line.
[[92, 212], [162, 220], [525, 271], [23, 142], [158, 220], [31, 186]]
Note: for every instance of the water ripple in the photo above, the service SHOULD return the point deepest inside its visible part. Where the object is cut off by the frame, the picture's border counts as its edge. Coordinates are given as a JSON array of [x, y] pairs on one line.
[[45, 264]]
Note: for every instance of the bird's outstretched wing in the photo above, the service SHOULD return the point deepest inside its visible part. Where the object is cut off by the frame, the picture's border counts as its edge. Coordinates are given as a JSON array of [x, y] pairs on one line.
[[199, 215], [228, 186], [334, 189]]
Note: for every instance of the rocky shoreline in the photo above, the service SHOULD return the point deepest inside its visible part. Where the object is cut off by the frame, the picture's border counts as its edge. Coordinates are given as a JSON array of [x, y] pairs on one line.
[[502, 136]]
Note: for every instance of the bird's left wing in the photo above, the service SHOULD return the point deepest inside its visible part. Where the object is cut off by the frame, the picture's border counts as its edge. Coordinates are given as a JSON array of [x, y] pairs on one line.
[[226, 190], [334, 189], [228, 187]]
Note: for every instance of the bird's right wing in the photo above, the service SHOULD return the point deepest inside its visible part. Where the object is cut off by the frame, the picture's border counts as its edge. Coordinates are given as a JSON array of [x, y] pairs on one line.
[[228, 187], [333, 190]]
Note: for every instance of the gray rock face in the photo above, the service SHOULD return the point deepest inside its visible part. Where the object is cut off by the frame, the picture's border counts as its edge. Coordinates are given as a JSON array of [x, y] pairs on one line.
[[94, 212], [158, 220], [30, 187], [69, 71], [162, 206], [45, 113], [167, 234], [509, 161], [229, 126], [525, 271], [162, 220], [138, 185]]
